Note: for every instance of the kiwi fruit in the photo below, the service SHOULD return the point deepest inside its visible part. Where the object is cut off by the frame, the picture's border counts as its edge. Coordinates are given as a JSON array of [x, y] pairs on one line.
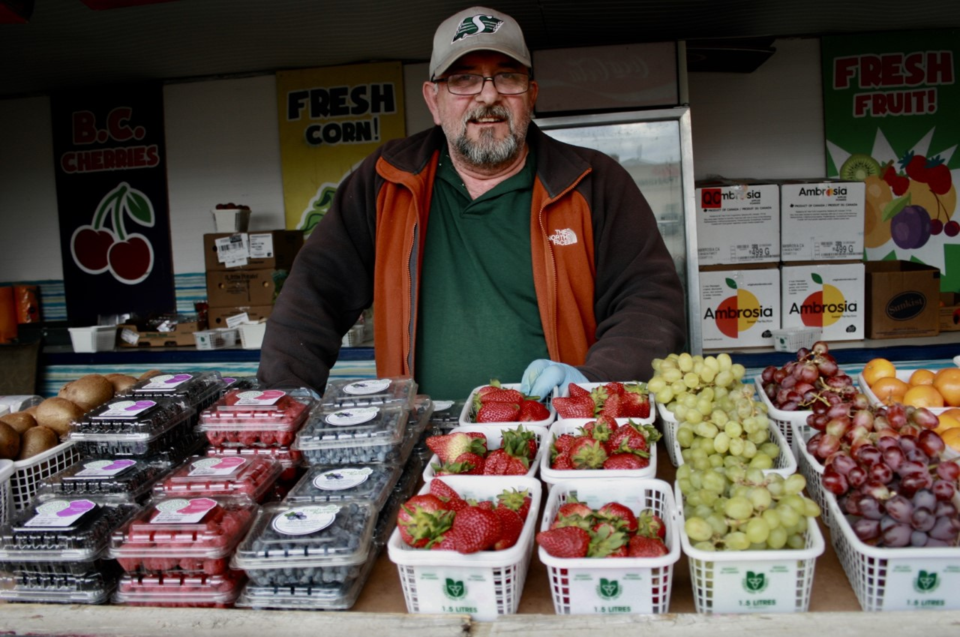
[[9, 442], [88, 391], [121, 382], [858, 167], [57, 414], [19, 420], [37, 440], [150, 373]]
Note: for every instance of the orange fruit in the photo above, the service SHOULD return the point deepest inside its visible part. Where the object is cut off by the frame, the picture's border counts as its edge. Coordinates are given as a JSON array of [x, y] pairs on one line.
[[878, 368], [952, 438], [921, 377], [922, 396], [946, 422], [889, 390], [947, 382], [952, 413]]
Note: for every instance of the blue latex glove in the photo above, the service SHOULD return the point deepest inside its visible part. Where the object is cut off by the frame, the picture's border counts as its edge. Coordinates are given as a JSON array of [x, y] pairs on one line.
[[542, 376]]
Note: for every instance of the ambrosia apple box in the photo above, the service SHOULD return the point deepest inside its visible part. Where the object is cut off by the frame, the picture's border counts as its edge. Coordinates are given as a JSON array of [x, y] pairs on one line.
[[827, 296], [738, 222], [821, 220], [739, 308]]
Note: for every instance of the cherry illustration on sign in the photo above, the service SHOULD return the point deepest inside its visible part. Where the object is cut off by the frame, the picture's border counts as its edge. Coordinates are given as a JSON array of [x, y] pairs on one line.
[[97, 248]]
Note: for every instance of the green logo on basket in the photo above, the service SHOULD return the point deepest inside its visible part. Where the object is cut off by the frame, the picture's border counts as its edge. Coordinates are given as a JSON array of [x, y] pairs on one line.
[[609, 589], [926, 582], [454, 589], [755, 582]]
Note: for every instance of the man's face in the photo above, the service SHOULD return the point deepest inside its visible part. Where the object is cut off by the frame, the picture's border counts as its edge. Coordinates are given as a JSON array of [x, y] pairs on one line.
[[487, 130]]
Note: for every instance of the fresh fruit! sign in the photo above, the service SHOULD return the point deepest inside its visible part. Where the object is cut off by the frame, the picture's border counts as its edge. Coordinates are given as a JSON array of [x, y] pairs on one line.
[[112, 199], [890, 105]]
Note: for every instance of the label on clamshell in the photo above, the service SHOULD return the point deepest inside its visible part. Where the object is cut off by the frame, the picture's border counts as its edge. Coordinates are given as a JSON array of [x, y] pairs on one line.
[[183, 511], [367, 387], [124, 409], [348, 417], [340, 479], [220, 467], [60, 513], [260, 397], [305, 520], [99, 469], [165, 381]]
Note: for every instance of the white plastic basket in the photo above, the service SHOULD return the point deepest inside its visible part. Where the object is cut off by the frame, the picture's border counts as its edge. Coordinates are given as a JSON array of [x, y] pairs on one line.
[[97, 338], [783, 419], [494, 434], [901, 374], [811, 468], [895, 579], [790, 339], [30, 473], [467, 417], [613, 585], [251, 335], [6, 497], [219, 338], [785, 464], [668, 427], [483, 585], [591, 386], [570, 426], [752, 581]]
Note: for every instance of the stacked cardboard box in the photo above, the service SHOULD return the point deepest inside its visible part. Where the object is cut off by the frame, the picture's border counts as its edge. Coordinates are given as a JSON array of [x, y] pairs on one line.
[[245, 271]]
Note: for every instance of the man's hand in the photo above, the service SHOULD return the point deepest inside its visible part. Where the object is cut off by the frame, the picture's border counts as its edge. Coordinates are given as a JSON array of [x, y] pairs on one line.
[[542, 376]]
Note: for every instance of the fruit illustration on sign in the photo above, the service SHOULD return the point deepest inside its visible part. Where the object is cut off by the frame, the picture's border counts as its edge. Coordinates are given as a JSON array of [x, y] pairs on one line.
[[828, 304], [97, 247], [737, 313]]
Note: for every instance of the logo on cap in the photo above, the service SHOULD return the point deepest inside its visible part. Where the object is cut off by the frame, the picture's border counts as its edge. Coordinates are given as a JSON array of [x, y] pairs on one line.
[[476, 25]]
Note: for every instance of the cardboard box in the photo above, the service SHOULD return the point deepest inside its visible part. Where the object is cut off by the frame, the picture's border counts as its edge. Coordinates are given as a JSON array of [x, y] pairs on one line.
[[218, 315], [738, 222], [739, 307], [269, 250], [949, 312], [903, 299], [234, 288], [821, 221], [826, 296], [180, 336]]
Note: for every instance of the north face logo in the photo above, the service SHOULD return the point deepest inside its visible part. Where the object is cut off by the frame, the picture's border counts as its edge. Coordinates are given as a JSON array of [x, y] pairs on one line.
[[477, 24], [565, 237]]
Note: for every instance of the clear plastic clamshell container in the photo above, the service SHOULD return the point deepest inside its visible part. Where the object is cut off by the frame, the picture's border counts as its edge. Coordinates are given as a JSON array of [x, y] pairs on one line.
[[107, 478], [354, 392], [255, 418], [177, 589], [92, 586], [354, 435], [288, 458], [190, 535], [240, 382], [333, 596], [196, 389], [222, 475], [308, 544], [134, 427], [62, 530], [371, 483]]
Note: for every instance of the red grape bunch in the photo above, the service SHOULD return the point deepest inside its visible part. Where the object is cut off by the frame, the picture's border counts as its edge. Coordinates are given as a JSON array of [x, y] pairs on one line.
[[813, 378]]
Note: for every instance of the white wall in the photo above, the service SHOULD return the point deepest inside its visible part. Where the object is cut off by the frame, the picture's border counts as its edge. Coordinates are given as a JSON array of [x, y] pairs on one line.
[[223, 145]]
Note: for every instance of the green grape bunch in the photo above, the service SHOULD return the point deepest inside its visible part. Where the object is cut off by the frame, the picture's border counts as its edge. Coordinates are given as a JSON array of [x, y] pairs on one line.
[[683, 382], [749, 511]]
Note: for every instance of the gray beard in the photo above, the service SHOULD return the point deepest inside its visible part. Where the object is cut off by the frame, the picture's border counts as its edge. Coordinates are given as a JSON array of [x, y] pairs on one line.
[[487, 152]]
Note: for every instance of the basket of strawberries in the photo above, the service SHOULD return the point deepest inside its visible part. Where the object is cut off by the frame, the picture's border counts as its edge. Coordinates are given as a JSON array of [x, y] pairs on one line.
[[463, 545], [503, 403], [614, 399], [599, 448], [610, 545], [487, 450]]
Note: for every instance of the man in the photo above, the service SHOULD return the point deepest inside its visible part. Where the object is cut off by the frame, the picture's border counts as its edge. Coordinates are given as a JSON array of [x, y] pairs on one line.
[[483, 245]]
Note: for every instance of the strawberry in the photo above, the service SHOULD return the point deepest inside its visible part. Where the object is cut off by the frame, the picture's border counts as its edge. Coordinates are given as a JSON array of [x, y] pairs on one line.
[[475, 529], [445, 543], [939, 178], [520, 442], [600, 429], [642, 546], [423, 519], [466, 464], [511, 525], [503, 463], [502, 396], [915, 166], [573, 513], [449, 446], [576, 391], [514, 500], [498, 412], [619, 515], [625, 461], [533, 411], [611, 406], [563, 442], [635, 402], [614, 388], [441, 489], [587, 453], [649, 524], [575, 407], [623, 551], [568, 541], [562, 463], [605, 540]]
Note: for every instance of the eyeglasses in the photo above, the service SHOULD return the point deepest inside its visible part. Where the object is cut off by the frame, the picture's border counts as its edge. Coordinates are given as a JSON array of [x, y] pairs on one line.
[[471, 84]]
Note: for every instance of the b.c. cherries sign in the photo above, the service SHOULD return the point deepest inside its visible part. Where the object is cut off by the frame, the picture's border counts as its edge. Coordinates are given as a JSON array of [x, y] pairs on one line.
[[112, 199]]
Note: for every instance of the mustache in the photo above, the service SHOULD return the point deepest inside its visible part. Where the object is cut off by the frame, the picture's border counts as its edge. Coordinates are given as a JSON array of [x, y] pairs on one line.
[[487, 111]]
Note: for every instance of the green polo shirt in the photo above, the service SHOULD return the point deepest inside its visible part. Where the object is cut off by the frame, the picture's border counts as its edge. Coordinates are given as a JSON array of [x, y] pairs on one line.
[[478, 317]]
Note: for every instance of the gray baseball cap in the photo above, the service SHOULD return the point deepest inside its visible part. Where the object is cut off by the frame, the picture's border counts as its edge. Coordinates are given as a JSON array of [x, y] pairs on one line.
[[476, 29]]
